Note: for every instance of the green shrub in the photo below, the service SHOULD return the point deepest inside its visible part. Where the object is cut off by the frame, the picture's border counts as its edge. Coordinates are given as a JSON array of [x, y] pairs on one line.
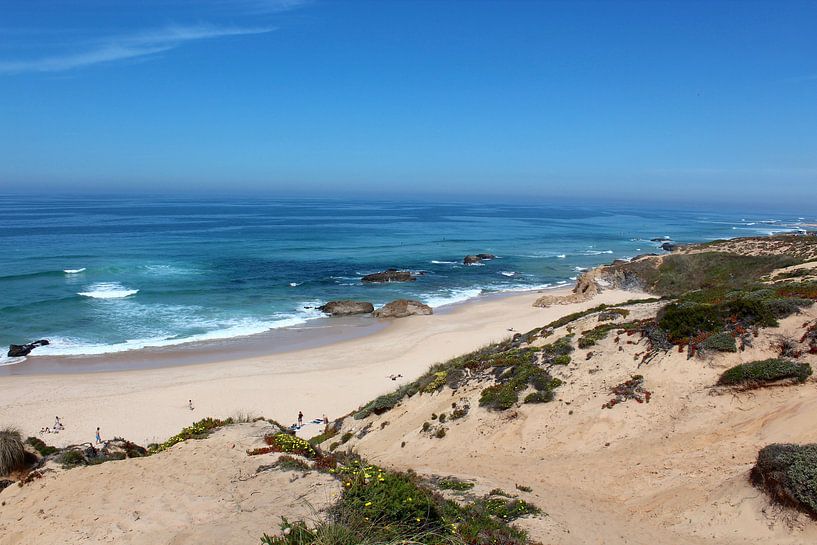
[[346, 437], [380, 405], [41, 447], [395, 500], [508, 510], [290, 444], [539, 397], [72, 458], [561, 360], [765, 371], [786, 306], [12, 452], [788, 473], [720, 342], [426, 426], [455, 484], [288, 463], [685, 320], [198, 430], [498, 397]]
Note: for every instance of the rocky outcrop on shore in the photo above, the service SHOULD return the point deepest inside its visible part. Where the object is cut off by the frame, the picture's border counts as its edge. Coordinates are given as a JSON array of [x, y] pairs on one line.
[[20, 350], [389, 275], [346, 308], [402, 308]]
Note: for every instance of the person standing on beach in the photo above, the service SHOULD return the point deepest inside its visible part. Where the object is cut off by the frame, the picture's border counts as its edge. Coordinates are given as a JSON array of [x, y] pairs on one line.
[[190, 404], [300, 419], [98, 437]]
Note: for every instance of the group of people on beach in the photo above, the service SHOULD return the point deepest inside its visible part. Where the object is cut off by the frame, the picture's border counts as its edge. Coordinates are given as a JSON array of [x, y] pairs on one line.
[[58, 427]]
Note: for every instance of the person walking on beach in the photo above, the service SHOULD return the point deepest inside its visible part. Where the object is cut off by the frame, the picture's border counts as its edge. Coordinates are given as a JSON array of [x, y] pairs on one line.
[[98, 437], [300, 419], [190, 404]]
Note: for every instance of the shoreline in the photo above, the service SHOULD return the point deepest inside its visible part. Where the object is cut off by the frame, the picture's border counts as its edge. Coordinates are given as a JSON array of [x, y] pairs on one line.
[[150, 405], [313, 333]]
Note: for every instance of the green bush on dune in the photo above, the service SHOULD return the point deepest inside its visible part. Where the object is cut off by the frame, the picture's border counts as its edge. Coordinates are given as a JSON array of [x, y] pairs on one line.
[[764, 371], [788, 473]]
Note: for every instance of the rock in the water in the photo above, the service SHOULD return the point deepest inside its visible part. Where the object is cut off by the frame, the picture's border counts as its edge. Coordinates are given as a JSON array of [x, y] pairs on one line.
[[346, 308], [660, 239], [478, 258], [402, 308], [20, 350], [669, 247], [390, 275]]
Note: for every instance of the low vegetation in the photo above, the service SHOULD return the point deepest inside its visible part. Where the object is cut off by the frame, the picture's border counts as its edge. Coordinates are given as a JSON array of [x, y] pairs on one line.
[[378, 506], [198, 430], [758, 373], [788, 473], [12, 451]]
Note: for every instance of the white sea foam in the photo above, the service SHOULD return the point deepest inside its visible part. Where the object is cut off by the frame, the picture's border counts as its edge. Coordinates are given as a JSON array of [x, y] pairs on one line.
[[561, 256], [73, 271], [580, 269], [507, 273], [295, 284], [436, 262], [108, 290], [451, 296], [66, 346], [5, 361]]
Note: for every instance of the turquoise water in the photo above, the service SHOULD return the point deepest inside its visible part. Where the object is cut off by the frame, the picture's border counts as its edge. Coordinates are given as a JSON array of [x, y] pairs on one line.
[[98, 275]]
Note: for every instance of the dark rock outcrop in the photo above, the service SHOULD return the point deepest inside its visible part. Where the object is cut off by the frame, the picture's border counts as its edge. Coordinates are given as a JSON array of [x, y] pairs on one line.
[[402, 308], [660, 239], [478, 258], [346, 308], [669, 247], [19, 350], [390, 275]]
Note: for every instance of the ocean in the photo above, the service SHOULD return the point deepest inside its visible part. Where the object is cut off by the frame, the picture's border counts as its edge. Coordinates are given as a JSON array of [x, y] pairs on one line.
[[97, 275]]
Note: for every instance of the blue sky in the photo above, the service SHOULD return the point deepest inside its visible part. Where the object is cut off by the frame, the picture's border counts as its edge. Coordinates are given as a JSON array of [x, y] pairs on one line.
[[677, 100]]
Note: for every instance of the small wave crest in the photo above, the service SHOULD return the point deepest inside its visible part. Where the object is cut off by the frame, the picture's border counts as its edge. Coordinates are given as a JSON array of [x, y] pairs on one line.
[[73, 271], [108, 290], [508, 273], [437, 262], [67, 346], [450, 297]]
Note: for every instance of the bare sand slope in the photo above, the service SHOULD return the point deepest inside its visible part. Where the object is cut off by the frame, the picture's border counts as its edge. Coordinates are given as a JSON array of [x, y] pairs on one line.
[[150, 405], [199, 493], [671, 471]]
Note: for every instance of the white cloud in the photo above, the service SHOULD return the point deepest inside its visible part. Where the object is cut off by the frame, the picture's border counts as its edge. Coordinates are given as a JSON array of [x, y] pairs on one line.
[[128, 46]]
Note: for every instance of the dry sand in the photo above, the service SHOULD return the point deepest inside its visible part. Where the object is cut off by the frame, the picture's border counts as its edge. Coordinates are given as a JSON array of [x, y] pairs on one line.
[[671, 471], [150, 405]]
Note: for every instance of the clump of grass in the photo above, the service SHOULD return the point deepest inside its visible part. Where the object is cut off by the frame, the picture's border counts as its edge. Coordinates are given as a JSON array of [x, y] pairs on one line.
[[765, 371], [544, 396], [12, 451], [379, 507], [290, 444], [72, 458], [288, 463], [508, 510], [455, 484], [788, 473], [198, 430], [720, 342], [380, 405], [41, 447]]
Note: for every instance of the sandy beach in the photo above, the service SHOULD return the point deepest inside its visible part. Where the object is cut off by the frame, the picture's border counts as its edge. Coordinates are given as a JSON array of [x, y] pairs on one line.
[[150, 405]]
